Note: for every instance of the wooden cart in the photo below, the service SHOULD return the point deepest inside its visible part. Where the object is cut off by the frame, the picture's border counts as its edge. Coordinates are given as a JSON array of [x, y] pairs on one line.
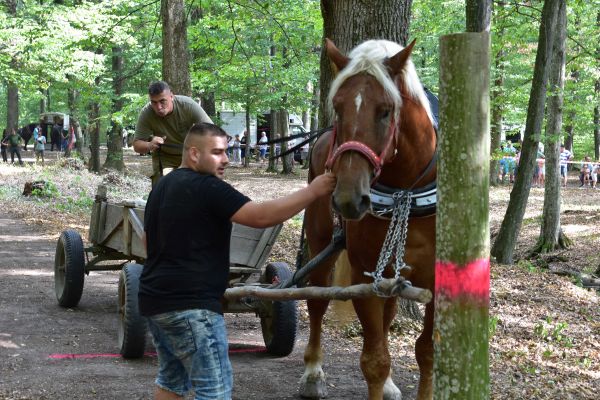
[[116, 244]]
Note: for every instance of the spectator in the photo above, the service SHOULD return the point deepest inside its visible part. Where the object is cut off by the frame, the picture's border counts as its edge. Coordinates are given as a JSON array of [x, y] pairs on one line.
[[243, 145], [14, 141], [262, 147], [188, 220], [539, 176], [39, 147], [55, 137], [594, 175], [565, 157], [162, 126], [4, 146], [509, 163], [237, 151], [585, 173]]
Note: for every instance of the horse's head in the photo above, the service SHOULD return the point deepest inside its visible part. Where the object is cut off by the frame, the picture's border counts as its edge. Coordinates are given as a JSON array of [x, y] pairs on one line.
[[366, 99]]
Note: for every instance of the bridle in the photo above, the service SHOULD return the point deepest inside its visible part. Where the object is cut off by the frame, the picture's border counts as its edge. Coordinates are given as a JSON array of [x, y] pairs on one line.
[[375, 160]]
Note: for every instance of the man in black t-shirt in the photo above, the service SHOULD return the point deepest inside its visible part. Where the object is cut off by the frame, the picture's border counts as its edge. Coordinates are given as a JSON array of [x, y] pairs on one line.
[[188, 220]]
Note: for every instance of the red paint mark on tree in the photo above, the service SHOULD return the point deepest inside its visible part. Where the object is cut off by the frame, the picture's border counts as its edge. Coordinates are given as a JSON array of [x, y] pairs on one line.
[[465, 281]]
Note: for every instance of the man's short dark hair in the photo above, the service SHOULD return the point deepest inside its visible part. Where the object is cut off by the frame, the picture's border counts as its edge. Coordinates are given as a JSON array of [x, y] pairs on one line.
[[206, 129], [158, 87]]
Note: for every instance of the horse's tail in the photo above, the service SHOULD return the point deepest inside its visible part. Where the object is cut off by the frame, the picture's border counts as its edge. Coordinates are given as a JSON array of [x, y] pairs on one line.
[[342, 311]]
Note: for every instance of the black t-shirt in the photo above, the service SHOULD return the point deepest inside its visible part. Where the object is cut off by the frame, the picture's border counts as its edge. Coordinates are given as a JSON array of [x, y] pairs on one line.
[[188, 229]]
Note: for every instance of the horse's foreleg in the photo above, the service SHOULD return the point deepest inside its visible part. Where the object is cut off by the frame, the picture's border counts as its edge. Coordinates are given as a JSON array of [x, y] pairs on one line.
[[424, 355], [375, 359], [312, 383]]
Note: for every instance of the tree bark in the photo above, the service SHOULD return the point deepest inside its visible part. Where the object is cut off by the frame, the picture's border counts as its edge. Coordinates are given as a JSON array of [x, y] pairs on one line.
[[114, 142], [550, 231], [497, 115], [349, 23], [461, 367], [597, 107], [478, 15], [283, 128], [175, 67], [72, 97], [504, 245], [12, 90], [94, 133]]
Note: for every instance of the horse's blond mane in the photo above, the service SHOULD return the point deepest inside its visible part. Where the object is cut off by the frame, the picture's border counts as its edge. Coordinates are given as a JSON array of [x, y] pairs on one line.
[[368, 57]]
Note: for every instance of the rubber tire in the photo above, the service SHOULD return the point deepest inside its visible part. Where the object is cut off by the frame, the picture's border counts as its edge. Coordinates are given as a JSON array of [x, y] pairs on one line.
[[132, 327], [69, 268], [280, 324]]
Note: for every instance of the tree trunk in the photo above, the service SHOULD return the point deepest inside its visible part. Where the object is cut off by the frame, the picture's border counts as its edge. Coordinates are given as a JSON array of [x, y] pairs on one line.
[[550, 231], [497, 116], [462, 273], [478, 15], [72, 96], [504, 245], [349, 23], [597, 107], [283, 128], [207, 101], [247, 135], [114, 142], [175, 67], [94, 133], [43, 105], [12, 107]]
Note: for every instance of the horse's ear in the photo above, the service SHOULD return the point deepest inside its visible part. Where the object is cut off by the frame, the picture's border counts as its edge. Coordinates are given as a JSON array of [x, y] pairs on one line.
[[335, 55], [397, 62]]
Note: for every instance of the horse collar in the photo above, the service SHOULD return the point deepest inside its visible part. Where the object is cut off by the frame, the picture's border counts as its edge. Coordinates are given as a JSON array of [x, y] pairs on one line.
[[423, 201]]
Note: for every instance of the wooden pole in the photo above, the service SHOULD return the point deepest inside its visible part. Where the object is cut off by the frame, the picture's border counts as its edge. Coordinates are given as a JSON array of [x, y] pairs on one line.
[[461, 367], [390, 287]]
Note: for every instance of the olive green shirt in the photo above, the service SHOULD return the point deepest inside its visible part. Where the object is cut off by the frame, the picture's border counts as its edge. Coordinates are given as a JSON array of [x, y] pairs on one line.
[[186, 112]]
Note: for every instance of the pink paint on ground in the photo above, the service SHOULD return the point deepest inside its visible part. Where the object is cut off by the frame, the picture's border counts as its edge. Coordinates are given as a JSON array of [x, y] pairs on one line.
[[471, 280], [71, 356]]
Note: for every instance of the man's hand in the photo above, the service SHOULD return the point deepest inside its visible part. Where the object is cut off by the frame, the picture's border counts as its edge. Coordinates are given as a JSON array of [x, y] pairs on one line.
[[155, 143], [323, 184]]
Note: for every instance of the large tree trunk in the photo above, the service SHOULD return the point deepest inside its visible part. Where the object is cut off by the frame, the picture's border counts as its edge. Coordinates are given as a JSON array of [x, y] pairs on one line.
[[511, 225], [551, 236], [114, 142], [12, 91], [462, 271], [175, 67], [349, 23], [478, 15]]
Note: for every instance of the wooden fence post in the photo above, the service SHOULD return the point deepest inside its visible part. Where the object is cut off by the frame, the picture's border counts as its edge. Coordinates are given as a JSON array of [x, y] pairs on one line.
[[461, 366]]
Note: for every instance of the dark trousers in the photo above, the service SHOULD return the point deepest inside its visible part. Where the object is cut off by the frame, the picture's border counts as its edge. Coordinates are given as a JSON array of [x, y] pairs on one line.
[[13, 151], [4, 156]]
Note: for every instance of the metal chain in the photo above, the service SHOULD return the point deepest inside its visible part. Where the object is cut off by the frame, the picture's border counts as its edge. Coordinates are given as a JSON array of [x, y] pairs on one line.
[[395, 240]]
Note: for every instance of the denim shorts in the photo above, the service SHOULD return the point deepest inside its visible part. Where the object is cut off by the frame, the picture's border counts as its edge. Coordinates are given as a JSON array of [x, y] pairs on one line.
[[192, 353]]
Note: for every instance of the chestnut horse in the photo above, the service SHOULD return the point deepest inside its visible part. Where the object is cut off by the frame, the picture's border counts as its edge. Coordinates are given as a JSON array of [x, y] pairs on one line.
[[383, 138]]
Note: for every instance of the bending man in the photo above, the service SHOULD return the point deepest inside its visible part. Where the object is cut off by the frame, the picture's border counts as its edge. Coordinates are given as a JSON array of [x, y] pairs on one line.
[[162, 126]]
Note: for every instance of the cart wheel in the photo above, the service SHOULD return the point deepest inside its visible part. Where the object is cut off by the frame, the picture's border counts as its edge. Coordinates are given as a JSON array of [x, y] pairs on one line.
[[69, 268], [132, 326], [280, 321]]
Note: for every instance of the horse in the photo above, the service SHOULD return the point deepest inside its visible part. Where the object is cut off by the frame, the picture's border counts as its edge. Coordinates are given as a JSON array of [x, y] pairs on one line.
[[383, 141], [26, 133]]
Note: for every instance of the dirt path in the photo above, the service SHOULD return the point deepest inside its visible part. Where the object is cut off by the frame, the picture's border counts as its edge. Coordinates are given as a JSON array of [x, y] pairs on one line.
[[49, 352]]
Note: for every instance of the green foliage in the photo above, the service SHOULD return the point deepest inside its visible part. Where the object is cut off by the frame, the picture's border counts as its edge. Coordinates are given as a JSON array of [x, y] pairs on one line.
[[492, 325], [49, 190], [528, 266], [553, 332], [82, 202]]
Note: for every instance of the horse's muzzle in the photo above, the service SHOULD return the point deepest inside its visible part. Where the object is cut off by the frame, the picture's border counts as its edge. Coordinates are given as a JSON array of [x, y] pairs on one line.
[[351, 207]]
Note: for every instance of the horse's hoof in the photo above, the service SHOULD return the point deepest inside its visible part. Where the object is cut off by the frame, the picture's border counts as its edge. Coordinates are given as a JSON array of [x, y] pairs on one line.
[[313, 387], [391, 391]]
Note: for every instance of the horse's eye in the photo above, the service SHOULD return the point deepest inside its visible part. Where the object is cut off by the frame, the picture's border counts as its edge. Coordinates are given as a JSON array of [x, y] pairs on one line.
[[385, 114]]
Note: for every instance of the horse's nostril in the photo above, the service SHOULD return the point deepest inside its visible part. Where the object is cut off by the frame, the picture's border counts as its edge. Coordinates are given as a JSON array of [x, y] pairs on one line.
[[365, 203]]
